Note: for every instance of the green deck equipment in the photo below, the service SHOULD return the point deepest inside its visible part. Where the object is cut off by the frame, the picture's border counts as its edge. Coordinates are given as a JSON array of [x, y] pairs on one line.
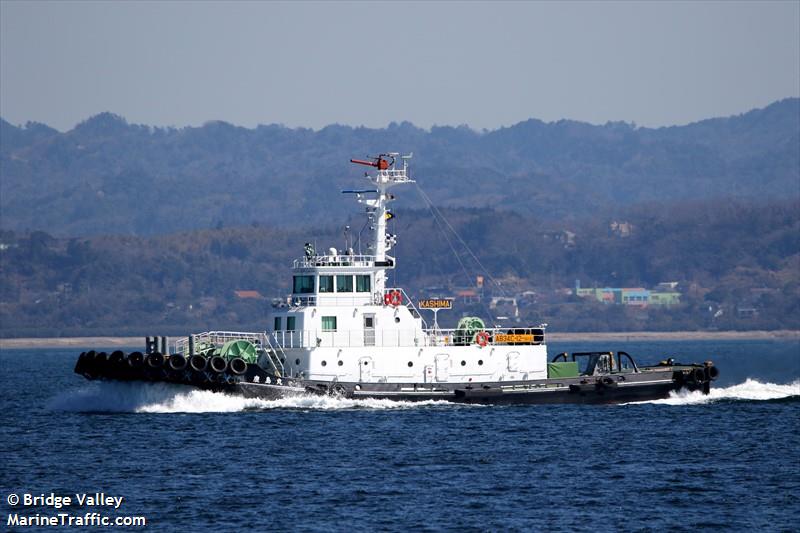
[[467, 328], [239, 348]]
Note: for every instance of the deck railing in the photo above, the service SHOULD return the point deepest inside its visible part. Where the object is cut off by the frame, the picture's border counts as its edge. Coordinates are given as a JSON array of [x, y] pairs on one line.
[[338, 299], [330, 298], [402, 338], [263, 342], [218, 338], [334, 260]]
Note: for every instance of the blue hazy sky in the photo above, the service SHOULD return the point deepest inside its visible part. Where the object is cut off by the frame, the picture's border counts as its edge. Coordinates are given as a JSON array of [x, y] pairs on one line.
[[312, 64]]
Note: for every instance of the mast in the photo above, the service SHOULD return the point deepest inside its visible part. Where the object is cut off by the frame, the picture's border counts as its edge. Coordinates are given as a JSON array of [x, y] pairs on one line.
[[387, 176]]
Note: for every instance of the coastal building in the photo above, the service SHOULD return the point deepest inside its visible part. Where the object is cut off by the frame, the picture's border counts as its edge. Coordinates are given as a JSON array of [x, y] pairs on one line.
[[248, 295], [665, 298], [637, 296], [504, 308]]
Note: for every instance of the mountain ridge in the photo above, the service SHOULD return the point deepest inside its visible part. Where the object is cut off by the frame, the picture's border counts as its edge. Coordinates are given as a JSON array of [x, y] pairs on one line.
[[108, 176], [790, 101]]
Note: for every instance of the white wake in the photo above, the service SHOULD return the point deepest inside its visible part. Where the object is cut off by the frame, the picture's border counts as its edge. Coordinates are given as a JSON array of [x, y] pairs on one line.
[[750, 390], [108, 397], [112, 397]]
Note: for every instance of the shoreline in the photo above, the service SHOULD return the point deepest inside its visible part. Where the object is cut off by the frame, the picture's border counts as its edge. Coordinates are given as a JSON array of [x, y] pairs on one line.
[[620, 336], [783, 334]]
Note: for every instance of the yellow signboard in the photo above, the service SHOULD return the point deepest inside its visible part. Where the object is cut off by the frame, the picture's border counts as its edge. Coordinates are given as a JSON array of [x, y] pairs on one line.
[[436, 303], [513, 338]]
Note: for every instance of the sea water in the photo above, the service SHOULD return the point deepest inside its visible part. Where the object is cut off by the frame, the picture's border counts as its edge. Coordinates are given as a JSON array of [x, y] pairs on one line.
[[190, 460]]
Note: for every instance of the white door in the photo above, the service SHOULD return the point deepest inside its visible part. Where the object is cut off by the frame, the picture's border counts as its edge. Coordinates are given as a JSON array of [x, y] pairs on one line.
[[369, 330], [365, 369], [442, 367]]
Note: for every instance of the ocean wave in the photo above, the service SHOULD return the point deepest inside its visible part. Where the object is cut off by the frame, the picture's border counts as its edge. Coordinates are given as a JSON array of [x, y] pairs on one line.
[[750, 390], [109, 397]]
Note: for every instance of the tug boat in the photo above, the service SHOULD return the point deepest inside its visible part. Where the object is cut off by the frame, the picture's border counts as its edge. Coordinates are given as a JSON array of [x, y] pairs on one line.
[[344, 331]]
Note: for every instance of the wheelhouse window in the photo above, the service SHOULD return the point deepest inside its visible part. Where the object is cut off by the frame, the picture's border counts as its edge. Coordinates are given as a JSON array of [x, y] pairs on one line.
[[326, 284], [277, 324], [344, 283], [329, 323], [303, 284], [290, 323], [363, 283]]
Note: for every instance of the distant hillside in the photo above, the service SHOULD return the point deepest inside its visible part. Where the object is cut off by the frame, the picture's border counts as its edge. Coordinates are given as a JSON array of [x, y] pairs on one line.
[[108, 176], [724, 257]]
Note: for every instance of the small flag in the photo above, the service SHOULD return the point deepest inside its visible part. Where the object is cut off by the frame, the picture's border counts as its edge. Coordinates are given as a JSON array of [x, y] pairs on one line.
[[389, 215]]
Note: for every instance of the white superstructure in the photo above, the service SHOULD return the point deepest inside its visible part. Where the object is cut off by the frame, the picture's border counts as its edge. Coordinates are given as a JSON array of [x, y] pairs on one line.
[[342, 323]]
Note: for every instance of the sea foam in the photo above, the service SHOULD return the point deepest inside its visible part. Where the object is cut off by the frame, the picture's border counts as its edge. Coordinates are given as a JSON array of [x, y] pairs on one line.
[[168, 398], [112, 397], [750, 390]]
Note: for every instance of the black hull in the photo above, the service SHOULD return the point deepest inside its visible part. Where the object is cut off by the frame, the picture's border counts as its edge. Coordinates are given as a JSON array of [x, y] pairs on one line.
[[578, 391]]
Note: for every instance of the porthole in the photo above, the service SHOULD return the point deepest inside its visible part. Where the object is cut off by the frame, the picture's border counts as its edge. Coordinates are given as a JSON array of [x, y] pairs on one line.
[[480, 361], [410, 364], [297, 361], [324, 363], [463, 363], [340, 363], [366, 363], [397, 319]]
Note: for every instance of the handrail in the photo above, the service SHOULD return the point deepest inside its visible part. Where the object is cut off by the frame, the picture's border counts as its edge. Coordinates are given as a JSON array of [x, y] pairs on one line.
[[288, 339], [395, 173], [219, 338], [261, 341], [277, 362], [333, 299], [334, 260]]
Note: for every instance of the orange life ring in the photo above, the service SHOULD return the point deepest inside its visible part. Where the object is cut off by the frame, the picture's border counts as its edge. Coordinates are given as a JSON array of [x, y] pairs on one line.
[[482, 338], [393, 298]]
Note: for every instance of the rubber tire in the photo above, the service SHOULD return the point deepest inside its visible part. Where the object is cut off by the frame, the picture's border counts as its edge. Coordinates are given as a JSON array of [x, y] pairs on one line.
[[117, 358], [198, 363], [217, 364], [86, 362], [80, 363], [116, 368], [101, 367], [136, 360], [177, 362], [237, 366], [154, 360], [89, 371]]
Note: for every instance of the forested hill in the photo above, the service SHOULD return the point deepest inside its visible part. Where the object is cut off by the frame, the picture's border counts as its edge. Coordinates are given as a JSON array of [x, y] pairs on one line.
[[725, 258], [108, 176]]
